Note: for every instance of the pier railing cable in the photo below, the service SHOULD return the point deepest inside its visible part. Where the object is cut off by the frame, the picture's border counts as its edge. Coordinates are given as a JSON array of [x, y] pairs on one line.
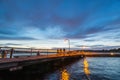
[[10, 51]]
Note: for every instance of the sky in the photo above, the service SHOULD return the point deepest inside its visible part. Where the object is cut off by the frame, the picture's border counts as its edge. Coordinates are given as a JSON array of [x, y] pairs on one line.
[[92, 24]]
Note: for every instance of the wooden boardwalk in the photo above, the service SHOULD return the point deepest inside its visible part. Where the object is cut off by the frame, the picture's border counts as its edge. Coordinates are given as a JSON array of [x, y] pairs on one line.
[[16, 63], [6, 60]]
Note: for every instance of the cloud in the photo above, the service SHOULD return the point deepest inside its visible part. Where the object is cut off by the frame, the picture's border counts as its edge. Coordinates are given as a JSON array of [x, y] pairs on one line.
[[49, 32], [110, 27], [96, 47], [105, 47], [9, 44], [56, 19], [89, 40], [80, 45], [41, 16], [12, 44], [7, 31], [55, 32], [16, 38]]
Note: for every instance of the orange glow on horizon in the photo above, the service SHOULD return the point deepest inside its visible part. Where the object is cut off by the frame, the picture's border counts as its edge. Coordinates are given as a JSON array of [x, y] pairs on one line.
[[111, 54]]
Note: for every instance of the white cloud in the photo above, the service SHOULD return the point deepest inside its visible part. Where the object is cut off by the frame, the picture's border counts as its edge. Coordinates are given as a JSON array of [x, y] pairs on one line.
[[54, 32], [50, 32]]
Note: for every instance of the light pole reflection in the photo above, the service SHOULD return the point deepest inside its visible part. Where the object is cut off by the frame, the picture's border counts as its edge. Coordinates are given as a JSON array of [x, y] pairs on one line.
[[86, 68], [65, 75]]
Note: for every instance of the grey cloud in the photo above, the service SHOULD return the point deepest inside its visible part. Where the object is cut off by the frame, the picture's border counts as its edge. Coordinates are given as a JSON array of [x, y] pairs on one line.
[[89, 40], [16, 38], [12, 44], [80, 45], [105, 47]]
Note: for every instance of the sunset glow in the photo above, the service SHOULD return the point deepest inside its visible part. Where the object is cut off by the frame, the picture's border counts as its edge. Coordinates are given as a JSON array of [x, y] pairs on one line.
[[45, 23]]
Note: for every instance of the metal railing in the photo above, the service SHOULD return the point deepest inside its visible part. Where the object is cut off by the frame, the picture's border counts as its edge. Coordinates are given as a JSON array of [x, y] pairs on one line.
[[8, 52]]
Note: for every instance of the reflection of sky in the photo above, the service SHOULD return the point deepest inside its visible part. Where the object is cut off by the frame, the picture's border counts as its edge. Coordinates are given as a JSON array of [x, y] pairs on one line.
[[45, 23]]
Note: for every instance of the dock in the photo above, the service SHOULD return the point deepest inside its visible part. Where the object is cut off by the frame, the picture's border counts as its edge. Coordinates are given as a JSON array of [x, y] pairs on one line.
[[45, 57]]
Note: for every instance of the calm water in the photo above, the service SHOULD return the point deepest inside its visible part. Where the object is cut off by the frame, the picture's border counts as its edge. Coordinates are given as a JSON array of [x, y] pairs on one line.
[[89, 69], [99, 68]]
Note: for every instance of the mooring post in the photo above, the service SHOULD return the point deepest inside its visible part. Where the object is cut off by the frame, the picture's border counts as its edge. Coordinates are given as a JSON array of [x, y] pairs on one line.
[[1, 52], [47, 52], [57, 52], [11, 52], [38, 53], [4, 54], [64, 51], [31, 51]]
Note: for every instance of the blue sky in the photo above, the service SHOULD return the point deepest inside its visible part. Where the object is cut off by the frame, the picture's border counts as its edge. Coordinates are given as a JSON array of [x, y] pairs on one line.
[[94, 24]]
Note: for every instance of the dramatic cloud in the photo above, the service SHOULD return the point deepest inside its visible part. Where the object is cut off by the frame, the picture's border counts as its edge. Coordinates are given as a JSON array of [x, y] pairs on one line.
[[16, 38], [93, 22], [10, 44]]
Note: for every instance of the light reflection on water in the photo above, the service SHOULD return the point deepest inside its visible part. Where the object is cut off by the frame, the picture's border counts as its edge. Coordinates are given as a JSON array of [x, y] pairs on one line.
[[65, 75], [86, 67], [102, 68], [90, 68]]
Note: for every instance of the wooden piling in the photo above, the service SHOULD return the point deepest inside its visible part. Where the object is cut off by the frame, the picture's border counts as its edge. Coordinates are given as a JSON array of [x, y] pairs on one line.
[[4, 54], [31, 51], [38, 53], [11, 52]]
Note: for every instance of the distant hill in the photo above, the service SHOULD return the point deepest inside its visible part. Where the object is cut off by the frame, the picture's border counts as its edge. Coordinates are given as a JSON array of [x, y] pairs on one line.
[[110, 50]]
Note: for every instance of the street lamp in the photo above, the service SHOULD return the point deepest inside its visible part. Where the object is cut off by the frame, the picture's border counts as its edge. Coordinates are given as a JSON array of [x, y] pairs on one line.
[[68, 43]]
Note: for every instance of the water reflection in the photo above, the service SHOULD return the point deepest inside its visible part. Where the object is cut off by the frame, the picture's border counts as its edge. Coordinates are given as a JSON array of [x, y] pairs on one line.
[[64, 74], [86, 67]]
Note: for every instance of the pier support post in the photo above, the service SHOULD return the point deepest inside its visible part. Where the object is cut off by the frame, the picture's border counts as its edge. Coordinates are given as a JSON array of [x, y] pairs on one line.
[[31, 51], [38, 53], [4, 54], [11, 52], [0, 53], [64, 51], [47, 52]]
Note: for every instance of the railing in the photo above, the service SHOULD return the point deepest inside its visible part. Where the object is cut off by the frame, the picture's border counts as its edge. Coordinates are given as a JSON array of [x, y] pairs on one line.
[[10, 52]]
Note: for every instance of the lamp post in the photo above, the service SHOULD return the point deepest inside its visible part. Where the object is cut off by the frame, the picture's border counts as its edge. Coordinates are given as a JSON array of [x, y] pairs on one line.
[[83, 48], [31, 51], [68, 43]]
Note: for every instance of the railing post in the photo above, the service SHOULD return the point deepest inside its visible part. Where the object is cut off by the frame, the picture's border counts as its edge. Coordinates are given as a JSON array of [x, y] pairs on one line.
[[31, 51], [47, 52], [64, 51], [11, 52], [1, 52], [38, 53], [57, 52], [4, 54]]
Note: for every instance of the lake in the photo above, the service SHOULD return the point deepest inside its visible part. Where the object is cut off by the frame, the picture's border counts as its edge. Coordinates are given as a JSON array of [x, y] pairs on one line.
[[90, 68], [105, 68]]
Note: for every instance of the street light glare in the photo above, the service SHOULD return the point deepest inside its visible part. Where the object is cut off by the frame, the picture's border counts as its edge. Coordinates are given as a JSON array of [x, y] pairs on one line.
[[65, 40], [68, 41]]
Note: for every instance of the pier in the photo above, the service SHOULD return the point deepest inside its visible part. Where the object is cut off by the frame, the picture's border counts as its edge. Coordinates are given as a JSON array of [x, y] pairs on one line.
[[41, 56], [11, 62]]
